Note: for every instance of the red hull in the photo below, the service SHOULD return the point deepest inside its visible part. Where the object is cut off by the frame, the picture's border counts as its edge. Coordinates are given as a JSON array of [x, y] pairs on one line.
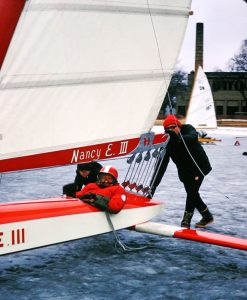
[[212, 238], [55, 207]]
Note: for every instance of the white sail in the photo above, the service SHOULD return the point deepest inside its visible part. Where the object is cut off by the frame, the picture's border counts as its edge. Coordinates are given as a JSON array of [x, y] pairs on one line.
[[79, 73], [201, 110]]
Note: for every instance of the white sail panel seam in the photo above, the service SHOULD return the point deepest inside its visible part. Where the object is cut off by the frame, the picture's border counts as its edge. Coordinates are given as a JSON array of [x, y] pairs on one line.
[[106, 8], [155, 75]]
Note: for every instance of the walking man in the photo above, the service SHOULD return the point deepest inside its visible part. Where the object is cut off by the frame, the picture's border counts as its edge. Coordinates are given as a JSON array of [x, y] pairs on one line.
[[192, 164]]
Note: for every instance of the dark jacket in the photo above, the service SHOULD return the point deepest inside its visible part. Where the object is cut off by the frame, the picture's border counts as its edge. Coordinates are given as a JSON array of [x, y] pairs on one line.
[[181, 156], [71, 188], [94, 167]]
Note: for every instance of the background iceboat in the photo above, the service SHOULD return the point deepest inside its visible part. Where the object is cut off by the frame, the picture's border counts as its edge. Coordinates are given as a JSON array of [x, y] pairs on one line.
[[201, 111]]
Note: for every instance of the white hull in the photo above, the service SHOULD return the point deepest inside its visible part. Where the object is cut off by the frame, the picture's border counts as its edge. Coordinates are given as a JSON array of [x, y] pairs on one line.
[[29, 234]]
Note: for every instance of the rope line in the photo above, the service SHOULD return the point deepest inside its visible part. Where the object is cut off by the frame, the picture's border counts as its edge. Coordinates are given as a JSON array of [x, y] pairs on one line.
[[158, 48], [118, 241]]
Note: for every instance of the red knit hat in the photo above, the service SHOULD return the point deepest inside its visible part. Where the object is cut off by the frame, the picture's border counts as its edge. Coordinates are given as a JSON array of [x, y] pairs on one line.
[[171, 120]]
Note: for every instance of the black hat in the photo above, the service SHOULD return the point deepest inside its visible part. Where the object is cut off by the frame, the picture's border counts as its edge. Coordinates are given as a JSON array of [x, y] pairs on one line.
[[85, 166]]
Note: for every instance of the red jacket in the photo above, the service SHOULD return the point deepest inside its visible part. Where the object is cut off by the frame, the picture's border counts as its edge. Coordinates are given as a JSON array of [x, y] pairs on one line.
[[115, 193]]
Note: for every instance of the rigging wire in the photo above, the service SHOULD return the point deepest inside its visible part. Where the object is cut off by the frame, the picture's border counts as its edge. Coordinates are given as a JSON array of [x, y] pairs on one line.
[[159, 54], [139, 175], [121, 244], [142, 174]]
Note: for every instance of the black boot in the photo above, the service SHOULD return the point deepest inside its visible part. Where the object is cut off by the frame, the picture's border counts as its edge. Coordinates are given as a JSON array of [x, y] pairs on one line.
[[207, 218], [186, 219]]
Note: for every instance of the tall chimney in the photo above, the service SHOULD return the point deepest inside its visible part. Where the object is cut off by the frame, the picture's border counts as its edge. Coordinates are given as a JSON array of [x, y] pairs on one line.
[[199, 46]]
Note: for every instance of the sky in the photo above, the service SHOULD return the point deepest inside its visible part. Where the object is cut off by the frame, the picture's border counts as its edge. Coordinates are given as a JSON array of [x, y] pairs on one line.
[[225, 27]]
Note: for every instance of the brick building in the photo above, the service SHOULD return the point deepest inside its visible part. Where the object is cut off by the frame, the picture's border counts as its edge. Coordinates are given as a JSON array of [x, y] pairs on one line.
[[228, 88]]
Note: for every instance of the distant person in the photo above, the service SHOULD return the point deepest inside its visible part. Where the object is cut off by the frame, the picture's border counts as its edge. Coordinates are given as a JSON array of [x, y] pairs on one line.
[[85, 173], [192, 165], [202, 133], [106, 194]]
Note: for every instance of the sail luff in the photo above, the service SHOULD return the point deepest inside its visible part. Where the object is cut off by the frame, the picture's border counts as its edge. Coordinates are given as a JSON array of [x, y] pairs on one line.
[[191, 95]]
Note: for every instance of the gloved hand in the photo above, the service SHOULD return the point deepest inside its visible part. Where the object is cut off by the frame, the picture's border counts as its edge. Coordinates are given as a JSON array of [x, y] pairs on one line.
[[98, 201], [88, 198], [173, 136]]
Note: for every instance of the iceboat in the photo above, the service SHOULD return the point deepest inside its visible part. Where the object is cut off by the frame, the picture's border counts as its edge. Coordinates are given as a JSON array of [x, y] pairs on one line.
[[201, 111], [84, 80], [81, 80]]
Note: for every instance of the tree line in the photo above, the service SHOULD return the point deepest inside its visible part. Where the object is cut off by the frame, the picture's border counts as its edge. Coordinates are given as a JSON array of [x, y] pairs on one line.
[[179, 82]]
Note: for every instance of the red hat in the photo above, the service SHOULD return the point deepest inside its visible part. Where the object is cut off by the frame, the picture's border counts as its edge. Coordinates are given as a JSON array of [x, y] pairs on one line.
[[171, 120]]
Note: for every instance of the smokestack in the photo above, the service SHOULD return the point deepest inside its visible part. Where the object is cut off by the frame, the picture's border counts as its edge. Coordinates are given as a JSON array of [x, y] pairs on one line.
[[199, 46]]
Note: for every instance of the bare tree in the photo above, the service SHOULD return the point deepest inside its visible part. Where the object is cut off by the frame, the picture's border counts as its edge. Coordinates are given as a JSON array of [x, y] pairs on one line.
[[239, 62], [178, 88]]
